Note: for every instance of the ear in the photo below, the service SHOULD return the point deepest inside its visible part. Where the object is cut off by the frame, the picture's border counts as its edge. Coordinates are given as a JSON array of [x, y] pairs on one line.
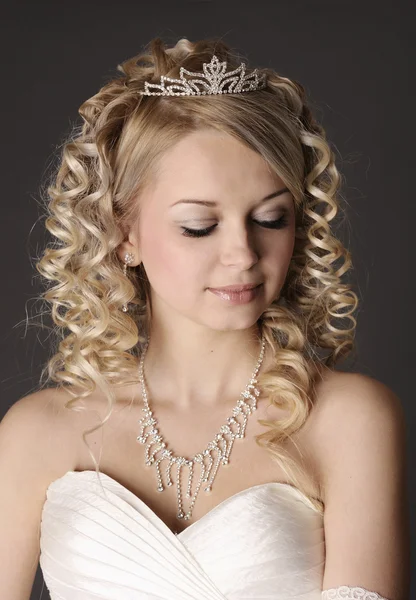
[[128, 247]]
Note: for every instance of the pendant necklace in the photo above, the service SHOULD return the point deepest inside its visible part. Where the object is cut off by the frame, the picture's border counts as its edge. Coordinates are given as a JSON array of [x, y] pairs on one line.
[[217, 451]]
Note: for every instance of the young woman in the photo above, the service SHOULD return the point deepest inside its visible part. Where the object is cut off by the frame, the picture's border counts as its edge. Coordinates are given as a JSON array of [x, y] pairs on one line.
[[198, 283]]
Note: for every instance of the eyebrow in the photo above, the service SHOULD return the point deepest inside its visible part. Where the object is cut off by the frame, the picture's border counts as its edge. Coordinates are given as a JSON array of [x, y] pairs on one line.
[[212, 203]]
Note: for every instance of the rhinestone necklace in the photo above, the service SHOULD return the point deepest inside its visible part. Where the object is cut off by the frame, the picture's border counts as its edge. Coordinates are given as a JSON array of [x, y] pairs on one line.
[[217, 451]]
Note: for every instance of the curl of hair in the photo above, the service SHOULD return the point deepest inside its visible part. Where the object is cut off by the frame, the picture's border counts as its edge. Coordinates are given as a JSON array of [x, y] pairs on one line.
[[108, 161]]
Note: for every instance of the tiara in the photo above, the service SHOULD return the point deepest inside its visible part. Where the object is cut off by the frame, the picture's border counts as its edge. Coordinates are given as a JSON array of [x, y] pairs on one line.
[[214, 80]]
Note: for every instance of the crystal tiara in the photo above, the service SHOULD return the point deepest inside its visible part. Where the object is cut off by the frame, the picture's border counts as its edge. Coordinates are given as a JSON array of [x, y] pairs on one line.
[[214, 80]]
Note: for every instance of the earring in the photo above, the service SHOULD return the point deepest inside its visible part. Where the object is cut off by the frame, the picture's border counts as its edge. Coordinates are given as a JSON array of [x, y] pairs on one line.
[[128, 258]]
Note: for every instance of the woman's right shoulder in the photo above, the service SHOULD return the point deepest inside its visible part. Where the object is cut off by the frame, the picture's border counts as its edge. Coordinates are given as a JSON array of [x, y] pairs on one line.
[[41, 405], [39, 423], [35, 449]]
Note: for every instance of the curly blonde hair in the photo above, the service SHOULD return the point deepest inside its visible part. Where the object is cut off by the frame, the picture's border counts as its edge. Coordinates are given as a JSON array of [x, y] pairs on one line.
[[111, 157]]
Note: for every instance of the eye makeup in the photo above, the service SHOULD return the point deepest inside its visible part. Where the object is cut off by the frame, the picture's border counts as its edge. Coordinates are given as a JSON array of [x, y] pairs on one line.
[[268, 224]]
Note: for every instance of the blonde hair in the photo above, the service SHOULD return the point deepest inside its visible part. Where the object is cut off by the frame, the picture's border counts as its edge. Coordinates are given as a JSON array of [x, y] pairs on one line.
[[107, 162]]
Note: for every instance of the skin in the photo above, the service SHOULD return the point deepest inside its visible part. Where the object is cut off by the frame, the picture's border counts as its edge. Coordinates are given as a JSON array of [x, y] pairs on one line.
[[196, 336]]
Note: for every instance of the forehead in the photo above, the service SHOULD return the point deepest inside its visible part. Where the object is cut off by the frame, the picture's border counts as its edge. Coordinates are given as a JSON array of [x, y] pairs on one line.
[[215, 160]]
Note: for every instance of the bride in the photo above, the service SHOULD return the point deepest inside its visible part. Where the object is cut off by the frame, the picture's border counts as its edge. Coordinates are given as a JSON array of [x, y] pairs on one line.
[[192, 437]]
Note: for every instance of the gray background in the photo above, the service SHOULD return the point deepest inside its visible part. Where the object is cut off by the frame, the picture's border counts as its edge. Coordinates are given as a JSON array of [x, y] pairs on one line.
[[354, 59]]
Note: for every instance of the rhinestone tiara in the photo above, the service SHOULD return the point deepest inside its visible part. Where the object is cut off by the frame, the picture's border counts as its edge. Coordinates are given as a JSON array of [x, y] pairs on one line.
[[214, 80]]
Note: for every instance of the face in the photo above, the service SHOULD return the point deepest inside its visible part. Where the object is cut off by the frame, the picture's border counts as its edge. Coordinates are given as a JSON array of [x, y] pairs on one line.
[[212, 218]]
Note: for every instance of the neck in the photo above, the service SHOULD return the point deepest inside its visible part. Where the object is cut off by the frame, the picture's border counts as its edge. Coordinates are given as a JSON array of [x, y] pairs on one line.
[[207, 369]]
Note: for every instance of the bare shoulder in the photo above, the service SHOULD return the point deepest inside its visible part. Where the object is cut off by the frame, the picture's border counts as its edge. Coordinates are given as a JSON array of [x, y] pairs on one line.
[[360, 444], [353, 396], [337, 387], [42, 426], [35, 449], [353, 413]]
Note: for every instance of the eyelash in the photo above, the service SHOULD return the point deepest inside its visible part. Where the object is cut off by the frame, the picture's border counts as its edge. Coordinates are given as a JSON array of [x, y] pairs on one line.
[[276, 224]]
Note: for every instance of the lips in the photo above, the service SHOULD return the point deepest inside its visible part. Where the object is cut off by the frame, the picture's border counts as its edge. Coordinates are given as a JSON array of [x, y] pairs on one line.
[[237, 288]]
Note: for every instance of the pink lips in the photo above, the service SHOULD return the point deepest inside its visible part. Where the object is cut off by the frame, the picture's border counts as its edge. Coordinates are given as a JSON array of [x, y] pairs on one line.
[[236, 288], [237, 294]]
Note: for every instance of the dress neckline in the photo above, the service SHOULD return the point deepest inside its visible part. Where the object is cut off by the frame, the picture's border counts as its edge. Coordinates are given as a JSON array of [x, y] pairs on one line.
[[277, 484]]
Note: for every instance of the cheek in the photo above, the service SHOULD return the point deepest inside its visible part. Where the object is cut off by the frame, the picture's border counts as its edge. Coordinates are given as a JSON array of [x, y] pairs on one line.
[[277, 256], [168, 261]]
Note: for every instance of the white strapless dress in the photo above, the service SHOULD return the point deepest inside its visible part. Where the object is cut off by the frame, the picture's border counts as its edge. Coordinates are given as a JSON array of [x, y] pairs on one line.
[[263, 543]]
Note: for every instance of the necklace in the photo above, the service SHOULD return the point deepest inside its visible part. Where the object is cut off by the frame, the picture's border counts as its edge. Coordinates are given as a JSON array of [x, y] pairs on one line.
[[217, 451]]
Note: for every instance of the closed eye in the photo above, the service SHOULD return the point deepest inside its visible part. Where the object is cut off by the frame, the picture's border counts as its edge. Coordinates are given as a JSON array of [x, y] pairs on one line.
[[275, 224]]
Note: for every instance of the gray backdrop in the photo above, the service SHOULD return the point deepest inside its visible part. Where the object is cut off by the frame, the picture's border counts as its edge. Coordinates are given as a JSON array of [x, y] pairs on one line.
[[353, 58]]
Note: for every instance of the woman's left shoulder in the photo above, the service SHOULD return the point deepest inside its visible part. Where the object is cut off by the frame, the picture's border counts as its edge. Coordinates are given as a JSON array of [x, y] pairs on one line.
[[350, 408], [353, 392]]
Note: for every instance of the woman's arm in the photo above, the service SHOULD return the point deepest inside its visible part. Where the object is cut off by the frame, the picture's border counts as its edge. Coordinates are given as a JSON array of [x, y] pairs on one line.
[[33, 451], [362, 452]]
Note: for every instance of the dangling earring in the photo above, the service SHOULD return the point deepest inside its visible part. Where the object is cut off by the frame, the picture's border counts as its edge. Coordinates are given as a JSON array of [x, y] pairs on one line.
[[128, 258]]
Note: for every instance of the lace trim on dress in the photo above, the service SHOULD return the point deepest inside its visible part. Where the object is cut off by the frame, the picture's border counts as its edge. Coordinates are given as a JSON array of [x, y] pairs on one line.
[[345, 592]]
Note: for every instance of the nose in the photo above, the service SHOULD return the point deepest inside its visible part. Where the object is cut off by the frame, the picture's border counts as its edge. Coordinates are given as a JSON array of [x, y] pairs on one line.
[[238, 249]]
